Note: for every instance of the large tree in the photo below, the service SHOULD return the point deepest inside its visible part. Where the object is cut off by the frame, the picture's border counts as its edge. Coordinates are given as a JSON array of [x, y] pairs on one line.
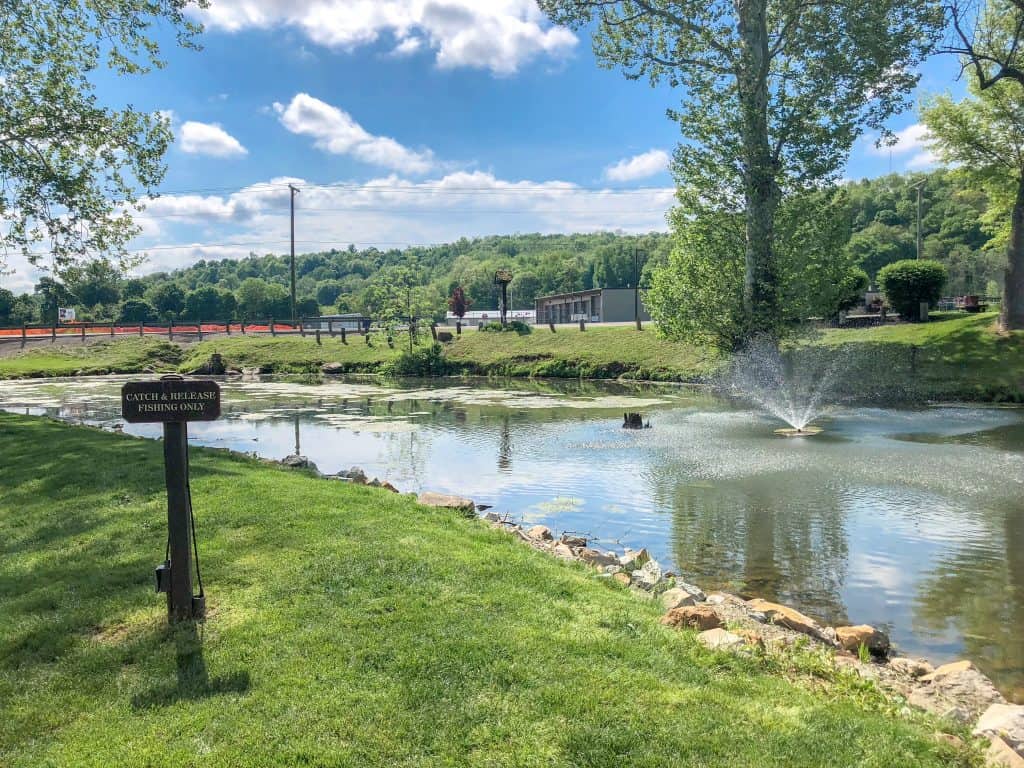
[[985, 133], [776, 92], [73, 168]]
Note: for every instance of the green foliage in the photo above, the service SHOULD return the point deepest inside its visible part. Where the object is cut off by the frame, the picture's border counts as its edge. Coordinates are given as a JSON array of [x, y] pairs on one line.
[[908, 283], [137, 311], [167, 298], [513, 326], [420, 361], [73, 168], [204, 303], [97, 282], [851, 289], [6, 306]]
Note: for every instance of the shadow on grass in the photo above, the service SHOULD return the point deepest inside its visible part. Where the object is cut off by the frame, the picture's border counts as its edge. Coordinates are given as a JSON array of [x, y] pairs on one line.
[[193, 679]]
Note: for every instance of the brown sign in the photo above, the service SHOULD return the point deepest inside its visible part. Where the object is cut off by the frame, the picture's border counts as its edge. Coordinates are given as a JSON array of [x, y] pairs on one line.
[[170, 400]]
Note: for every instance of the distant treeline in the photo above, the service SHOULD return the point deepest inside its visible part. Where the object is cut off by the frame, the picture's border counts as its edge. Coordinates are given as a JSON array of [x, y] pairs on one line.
[[958, 230]]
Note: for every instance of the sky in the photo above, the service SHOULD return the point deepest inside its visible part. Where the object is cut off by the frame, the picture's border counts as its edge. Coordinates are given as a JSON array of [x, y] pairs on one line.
[[409, 122]]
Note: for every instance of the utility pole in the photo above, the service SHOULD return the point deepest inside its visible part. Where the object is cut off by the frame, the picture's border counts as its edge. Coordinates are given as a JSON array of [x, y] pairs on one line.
[[294, 191], [636, 288], [918, 188]]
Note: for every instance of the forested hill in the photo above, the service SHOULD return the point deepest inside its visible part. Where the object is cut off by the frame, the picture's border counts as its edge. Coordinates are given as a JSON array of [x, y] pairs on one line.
[[960, 228]]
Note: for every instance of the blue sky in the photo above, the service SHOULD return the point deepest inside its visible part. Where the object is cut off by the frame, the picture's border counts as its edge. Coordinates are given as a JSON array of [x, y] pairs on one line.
[[408, 122]]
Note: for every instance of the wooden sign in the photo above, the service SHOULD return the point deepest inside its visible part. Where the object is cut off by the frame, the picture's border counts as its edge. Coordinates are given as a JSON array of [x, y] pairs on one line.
[[170, 400]]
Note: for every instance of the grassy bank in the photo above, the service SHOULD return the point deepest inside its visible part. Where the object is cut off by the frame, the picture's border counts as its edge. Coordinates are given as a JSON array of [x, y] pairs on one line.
[[958, 357], [350, 627]]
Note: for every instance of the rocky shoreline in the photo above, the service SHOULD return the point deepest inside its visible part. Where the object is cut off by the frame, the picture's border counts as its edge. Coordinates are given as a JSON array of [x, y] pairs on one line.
[[725, 622]]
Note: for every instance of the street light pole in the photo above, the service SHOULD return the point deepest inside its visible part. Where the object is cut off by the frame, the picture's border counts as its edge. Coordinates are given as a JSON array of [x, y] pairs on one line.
[[918, 188], [294, 191]]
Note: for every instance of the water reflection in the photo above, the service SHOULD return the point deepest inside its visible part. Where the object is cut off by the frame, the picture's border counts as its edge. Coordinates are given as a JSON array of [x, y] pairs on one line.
[[911, 520]]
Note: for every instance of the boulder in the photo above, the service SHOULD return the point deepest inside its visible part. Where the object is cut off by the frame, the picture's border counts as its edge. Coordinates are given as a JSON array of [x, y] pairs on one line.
[[957, 690], [852, 638], [355, 475], [492, 517], [1002, 755], [719, 639], [678, 597], [564, 552], [647, 576], [911, 667], [695, 591], [634, 558], [573, 541], [596, 558], [702, 617], [447, 501], [332, 368], [1005, 721], [622, 577], [787, 617], [445, 337], [540, 532], [294, 461]]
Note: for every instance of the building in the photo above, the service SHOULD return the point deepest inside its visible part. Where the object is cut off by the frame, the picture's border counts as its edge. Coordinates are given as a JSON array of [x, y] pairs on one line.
[[598, 305], [485, 316]]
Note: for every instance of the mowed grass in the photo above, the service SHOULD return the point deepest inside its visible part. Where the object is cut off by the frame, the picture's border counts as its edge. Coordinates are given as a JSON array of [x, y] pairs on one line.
[[297, 354], [126, 355], [350, 627]]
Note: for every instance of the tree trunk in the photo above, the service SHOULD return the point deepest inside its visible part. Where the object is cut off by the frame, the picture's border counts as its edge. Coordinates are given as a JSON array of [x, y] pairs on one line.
[[1011, 316], [761, 190]]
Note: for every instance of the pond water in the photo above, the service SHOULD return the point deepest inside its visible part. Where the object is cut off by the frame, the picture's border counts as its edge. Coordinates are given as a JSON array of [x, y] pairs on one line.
[[910, 520]]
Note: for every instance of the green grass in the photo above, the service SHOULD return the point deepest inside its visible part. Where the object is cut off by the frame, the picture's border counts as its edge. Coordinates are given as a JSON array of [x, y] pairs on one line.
[[350, 627], [296, 354], [129, 355]]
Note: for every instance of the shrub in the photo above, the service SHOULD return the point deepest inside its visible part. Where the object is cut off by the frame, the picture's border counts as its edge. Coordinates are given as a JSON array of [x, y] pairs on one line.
[[422, 361], [136, 311], [514, 326], [909, 282]]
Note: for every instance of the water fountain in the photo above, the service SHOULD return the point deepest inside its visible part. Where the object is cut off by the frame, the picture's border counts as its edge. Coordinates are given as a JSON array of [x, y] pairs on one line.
[[795, 393]]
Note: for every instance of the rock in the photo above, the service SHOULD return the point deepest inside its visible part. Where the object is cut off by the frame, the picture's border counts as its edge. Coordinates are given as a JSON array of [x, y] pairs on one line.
[[492, 517], [622, 577], [596, 558], [957, 690], [1001, 755], [852, 638], [634, 559], [447, 501], [719, 639], [250, 371], [787, 617], [612, 569], [573, 541], [445, 337], [332, 368], [388, 487], [295, 461], [355, 475], [563, 551], [648, 576], [911, 667], [540, 532], [677, 597], [695, 591], [232, 372], [483, 507], [948, 738], [1005, 721], [702, 617]]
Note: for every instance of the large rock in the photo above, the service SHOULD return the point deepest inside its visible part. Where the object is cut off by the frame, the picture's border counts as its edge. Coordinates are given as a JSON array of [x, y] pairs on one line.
[[294, 461], [540, 533], [719, 639], [354, 475], [332, 368], [595, 557], [447, 501], [647, 576], [1005, 721], [957, 690], [634, 558], [680, 596], [911, 667], [571, 540], [564, 552], [702, 617], [852, 638], [787, 617], [1002, 755]]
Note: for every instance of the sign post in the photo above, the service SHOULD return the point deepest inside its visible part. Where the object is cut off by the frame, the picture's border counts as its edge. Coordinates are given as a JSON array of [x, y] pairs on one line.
[[175, 401]]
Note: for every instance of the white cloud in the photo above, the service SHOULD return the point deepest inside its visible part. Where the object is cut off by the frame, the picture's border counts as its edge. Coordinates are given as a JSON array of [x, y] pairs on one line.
[[913, 137], [208, 139], [334, 131], [638, 167], [926, 159], [499, 35]]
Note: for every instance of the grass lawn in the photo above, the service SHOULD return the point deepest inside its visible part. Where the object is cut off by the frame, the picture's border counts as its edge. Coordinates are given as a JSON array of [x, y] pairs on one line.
[[350, 627], [296, 354], [126, 355]]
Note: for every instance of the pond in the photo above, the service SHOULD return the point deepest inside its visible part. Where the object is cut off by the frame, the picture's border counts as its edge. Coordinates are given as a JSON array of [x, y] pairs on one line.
[[908, 519]]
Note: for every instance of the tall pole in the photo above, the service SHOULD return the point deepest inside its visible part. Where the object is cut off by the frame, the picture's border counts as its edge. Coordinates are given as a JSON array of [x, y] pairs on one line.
[[918, 188], [636, 288], [294, 190]]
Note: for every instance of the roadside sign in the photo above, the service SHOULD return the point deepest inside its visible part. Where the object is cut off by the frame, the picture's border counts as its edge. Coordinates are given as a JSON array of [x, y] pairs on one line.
[[174, 401], [66, 314], [170, 400]]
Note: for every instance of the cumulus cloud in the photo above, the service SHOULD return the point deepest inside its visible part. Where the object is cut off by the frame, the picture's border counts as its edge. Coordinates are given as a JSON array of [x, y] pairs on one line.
[[499, 35], [334, 131], [638, 167], [208, 139], [914, 140]]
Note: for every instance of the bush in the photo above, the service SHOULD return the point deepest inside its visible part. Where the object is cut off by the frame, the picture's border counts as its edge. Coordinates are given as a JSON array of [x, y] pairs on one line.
[[423, 361], [136, 311], [909, 282], [514, 326]]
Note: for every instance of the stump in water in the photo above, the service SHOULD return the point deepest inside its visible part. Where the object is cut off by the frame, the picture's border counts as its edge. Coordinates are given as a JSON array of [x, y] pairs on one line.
[[633, 421]]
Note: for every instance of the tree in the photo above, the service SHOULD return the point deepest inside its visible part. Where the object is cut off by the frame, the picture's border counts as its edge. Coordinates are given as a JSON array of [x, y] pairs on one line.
[[459, 303], [97, 282], [133, 288], [54, 295], [307, 307], [328, 291], [74, 169], [203, 303], [908, 284], [136, 310], [984, 132], [168, 299], [6, 306], [777, 92]]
